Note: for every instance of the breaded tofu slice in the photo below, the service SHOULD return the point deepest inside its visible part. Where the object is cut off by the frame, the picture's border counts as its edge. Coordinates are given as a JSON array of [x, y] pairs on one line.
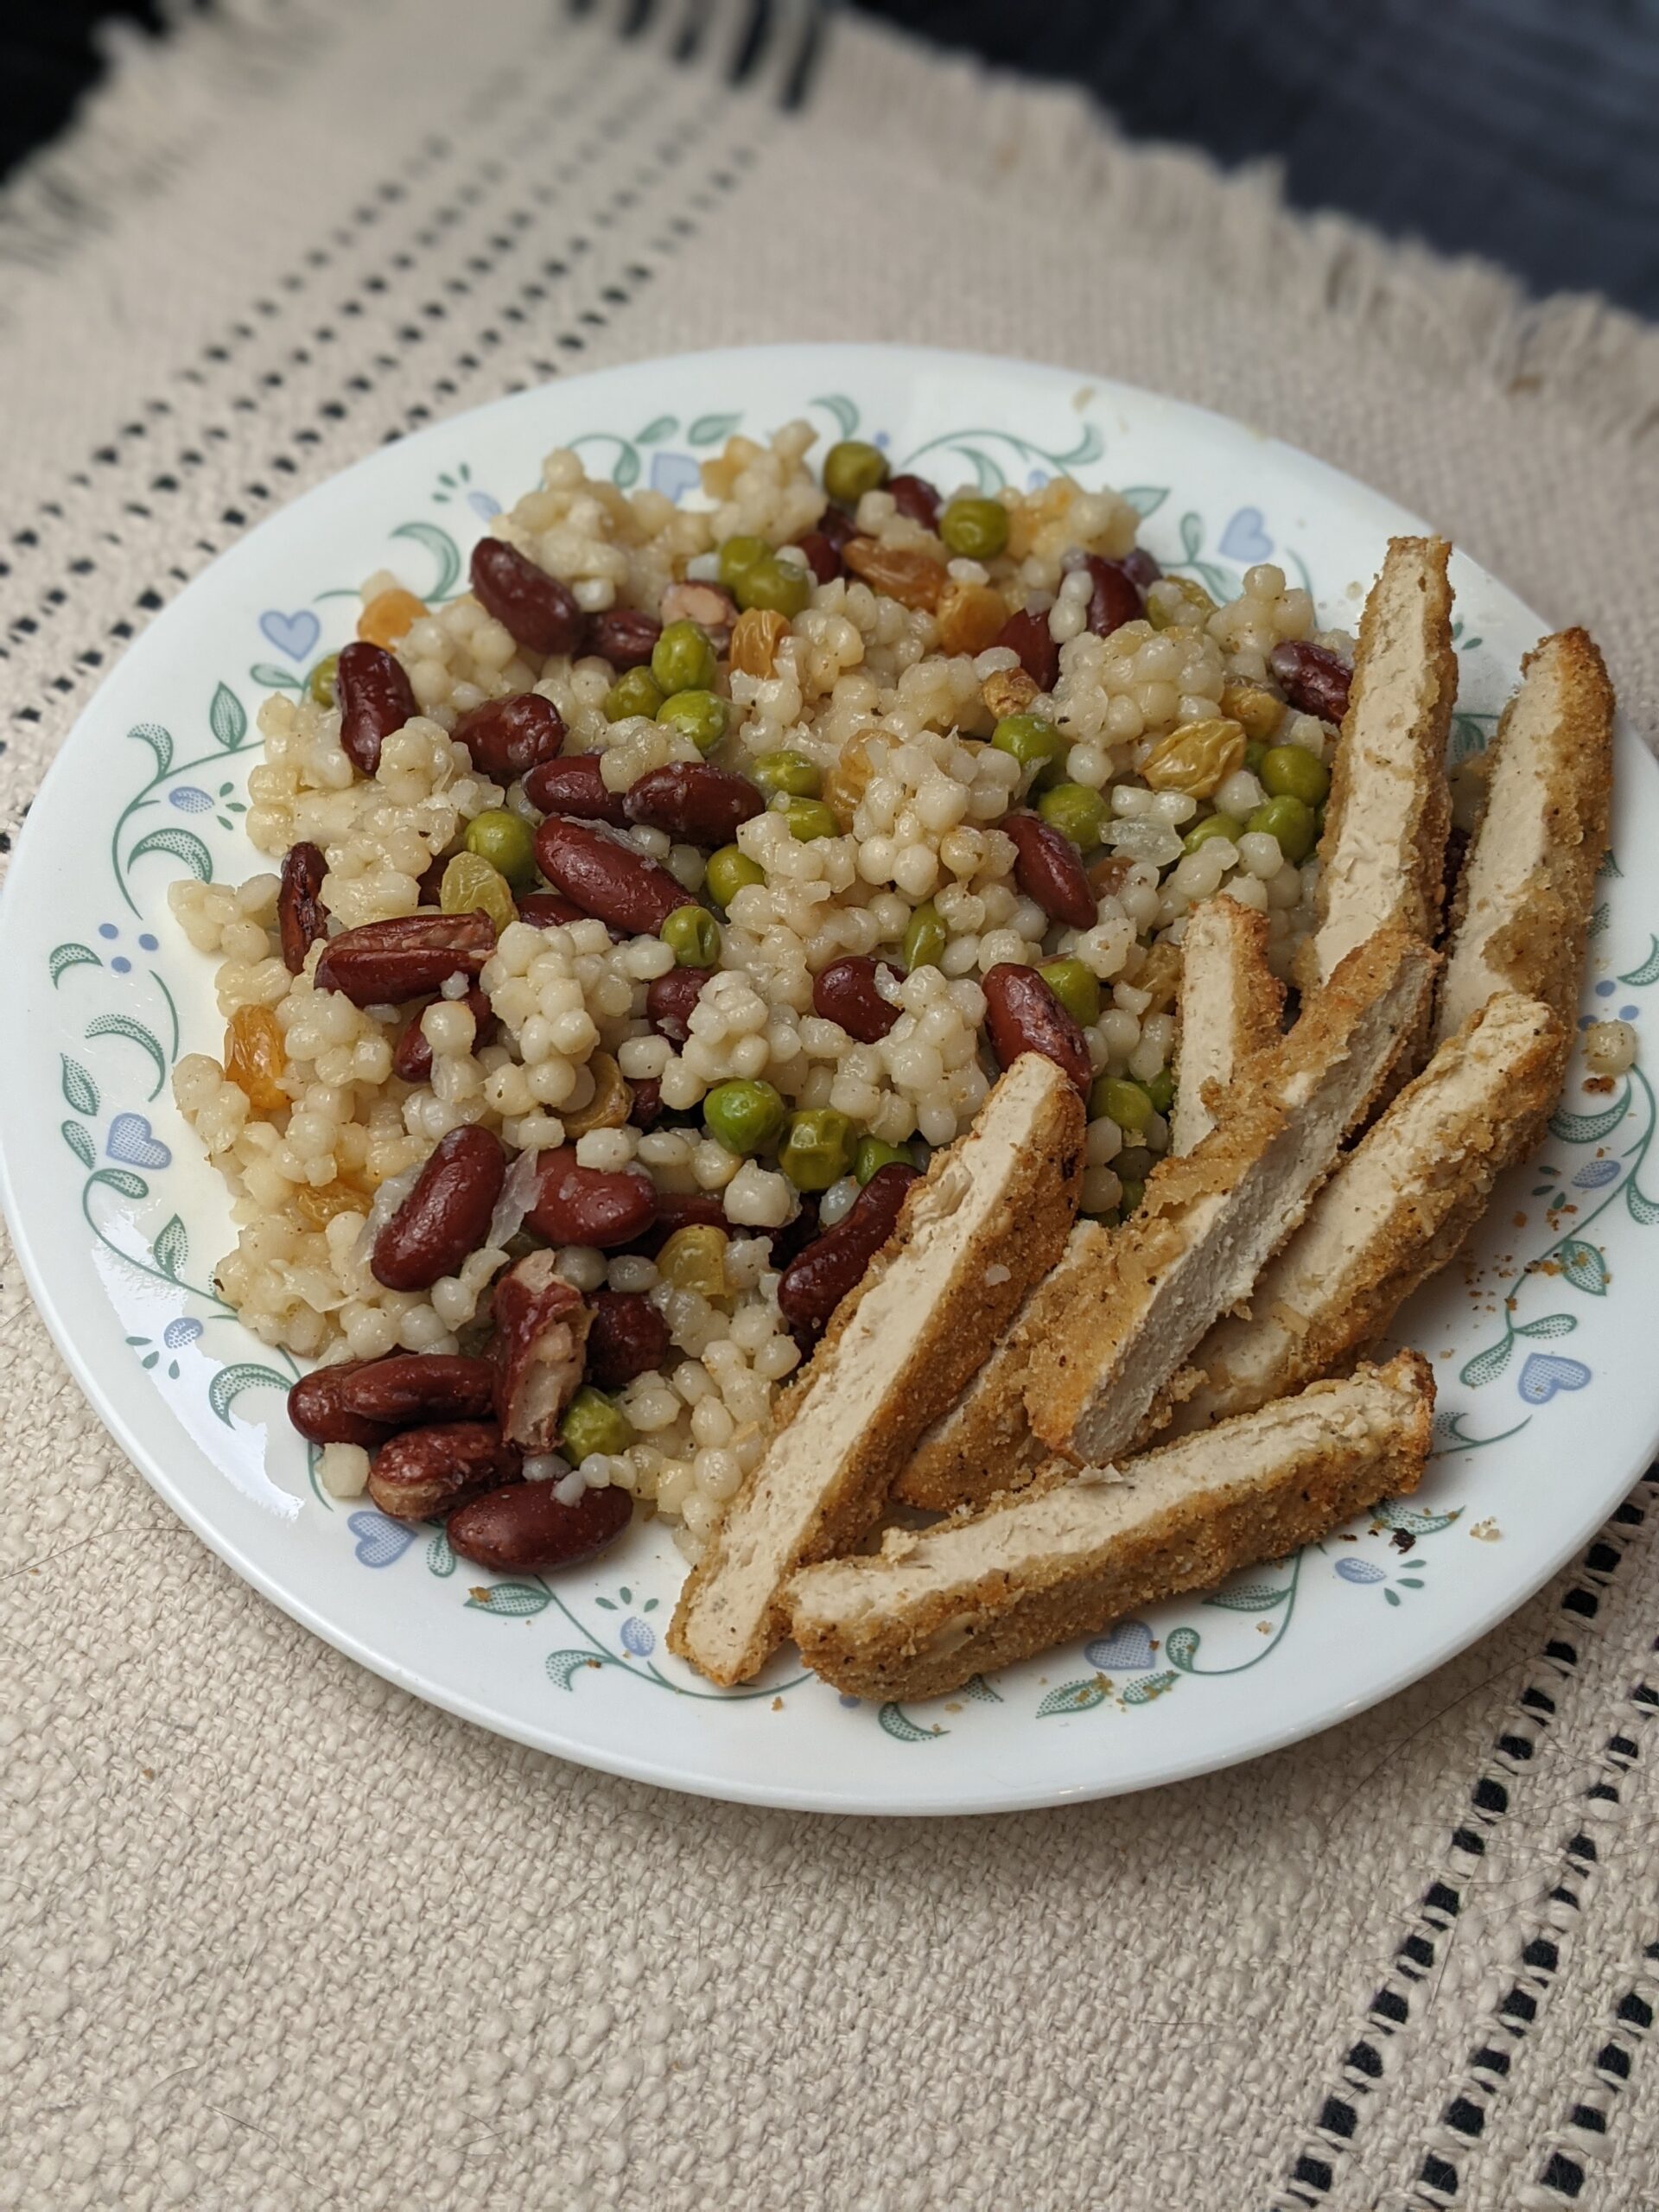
[[1076, 1551], [1209, 1224], [990, 1217], [1393, 1212], [1231, 1003], [1382, 855], [1522, 911]]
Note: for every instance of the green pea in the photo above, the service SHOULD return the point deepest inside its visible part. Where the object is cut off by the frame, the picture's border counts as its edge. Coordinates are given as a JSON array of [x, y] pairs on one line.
[[1213, 825], [872, 1155], [817, 1148], [508, 842], [1289, 820], [977, 529], [738, 556], [782, 586], [1075, 986], [692, 935], [637, 693], [1292, 772], [701, 715], [321, 682], [1162, 1091], [809, 819], [1254, 754], [592, 1423], [923, 938], [1029, 737], [851, 470], [1076, 811], [1133, 1192], [682, 659], [790, 773], [746, 1117], [1123, 1101], [729, 872]]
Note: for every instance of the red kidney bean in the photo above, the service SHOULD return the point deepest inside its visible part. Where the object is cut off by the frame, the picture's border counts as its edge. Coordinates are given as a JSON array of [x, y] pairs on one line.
[[693, 802], [606, 878], [670, 999], [1141, 569], [546, 910], [526, 1530], [1313, 678], [1023, 1015], [541, 1334], [446, 1215], [1046, 869], [646, 1106], [837, 525], [411, 1057], [574, 786], [374, 698], [915, 497], [822, 556], [506, 738], [302, 917], [815, 1281], [425, 1472], [1027, 633], [795, 1233], [411, 957], [590, 1206], [317, 1410], [540, 612], [430, 886], [362, 1401], [1115, 598], [845, 992], [628, 1337], [623, 636]]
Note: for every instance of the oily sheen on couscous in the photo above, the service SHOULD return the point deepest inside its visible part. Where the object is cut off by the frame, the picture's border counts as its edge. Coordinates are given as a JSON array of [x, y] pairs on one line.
[[950, 735]]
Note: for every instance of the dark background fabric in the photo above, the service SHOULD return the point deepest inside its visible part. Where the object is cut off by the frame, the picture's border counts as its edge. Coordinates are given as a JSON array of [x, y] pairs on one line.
[[1525, 130]]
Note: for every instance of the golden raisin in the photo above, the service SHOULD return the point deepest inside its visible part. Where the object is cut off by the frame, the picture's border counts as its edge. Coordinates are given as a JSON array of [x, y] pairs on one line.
[[254, 1058], [1010, 691], [693, 1258], [1039, 511], [756, 636], [845, 781], [1160, 976], [1108, 875], [609, 1106], [971, 617], [1196, 757], [911, 578], [316, 1203], [1177, 602], [387, 616], [1255, 708], [470, 883]]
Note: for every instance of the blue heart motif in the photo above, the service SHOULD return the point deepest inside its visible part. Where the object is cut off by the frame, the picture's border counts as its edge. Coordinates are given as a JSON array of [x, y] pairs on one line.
[[484, 502], [132, 1142], [1125, 1649], [1245, 538], [380, 1541], [1547, 1372], [674, 474], [293, 634]]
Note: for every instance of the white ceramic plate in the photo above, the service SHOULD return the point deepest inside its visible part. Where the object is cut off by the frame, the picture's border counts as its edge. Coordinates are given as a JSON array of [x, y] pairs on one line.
[[119, 1221]]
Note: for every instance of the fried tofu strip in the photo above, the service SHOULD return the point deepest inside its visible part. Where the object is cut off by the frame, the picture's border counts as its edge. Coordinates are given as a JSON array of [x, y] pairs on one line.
[[1209, 1223], [1074, 1553], [1230, 1007], [1522, 913], [1383, 856], [990, 1219], [1394, 1213]]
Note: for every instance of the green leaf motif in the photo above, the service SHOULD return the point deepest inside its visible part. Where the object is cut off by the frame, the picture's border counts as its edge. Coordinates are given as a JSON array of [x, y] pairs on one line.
[[1486, 1366], [1181, 1649], [444, 551], [980, 1690], [987, 473], [1549, 1324], [1468, 738], [565, 1667], [509, 1600], [172, 1248], [903, 1730], [1073, 1697], [75, 1136], [122, 1180], [275, 679], [63, 957], [1089, 448], [845, 410], [710, 429], [627, 471], [1145, 498], [1149, 1687], [1610, 866], [122, 1025], [1649, 970], [79, 1088], [1584, 1268], [1591, 1128], [1254, 1598], [159, 740], [1643, 1208], [181, 845], [663, 426], [1192, 535], [227, 718], [1406, 1518], [1599, 921], [439, 1559], [231, 1382]]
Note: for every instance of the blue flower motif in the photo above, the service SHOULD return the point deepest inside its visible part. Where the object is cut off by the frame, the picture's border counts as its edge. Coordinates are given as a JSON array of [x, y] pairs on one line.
[[482, 503], [190, 799], [1359, 1570], [180, 1332], [637, 1638]]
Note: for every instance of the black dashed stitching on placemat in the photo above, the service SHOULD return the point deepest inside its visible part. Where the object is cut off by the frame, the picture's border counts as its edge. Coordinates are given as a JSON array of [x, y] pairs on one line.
[[1365, 2067]]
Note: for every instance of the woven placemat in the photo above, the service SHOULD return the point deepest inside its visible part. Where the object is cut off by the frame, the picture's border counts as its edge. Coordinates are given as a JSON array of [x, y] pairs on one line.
[[274, 1934]]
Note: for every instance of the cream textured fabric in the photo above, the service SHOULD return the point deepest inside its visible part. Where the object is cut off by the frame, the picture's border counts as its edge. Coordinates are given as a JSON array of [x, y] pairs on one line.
[[276, 1936]]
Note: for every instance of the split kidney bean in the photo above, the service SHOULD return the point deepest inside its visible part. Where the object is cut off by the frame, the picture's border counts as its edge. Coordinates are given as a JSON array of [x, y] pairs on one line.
[[1046, 869], [540, 613], [1115, 598], [446, 1215], [915, 497], [670, 999], [540, 1335], [845, 992], [574, 786], [816, 1280], [628, 1337], [1023, 1015], [1026, 634], [411, 1057], [525, 1529], [1313, 680], [590, 1206], [362, 1401], [425, 1472], [623, 636], [374, 698], [646, 1106], [410, 957], [302, 917], [823, 555], [693, 802], [547, 909], [506, 738], [713, 610], [837, 525], [606, 878]]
